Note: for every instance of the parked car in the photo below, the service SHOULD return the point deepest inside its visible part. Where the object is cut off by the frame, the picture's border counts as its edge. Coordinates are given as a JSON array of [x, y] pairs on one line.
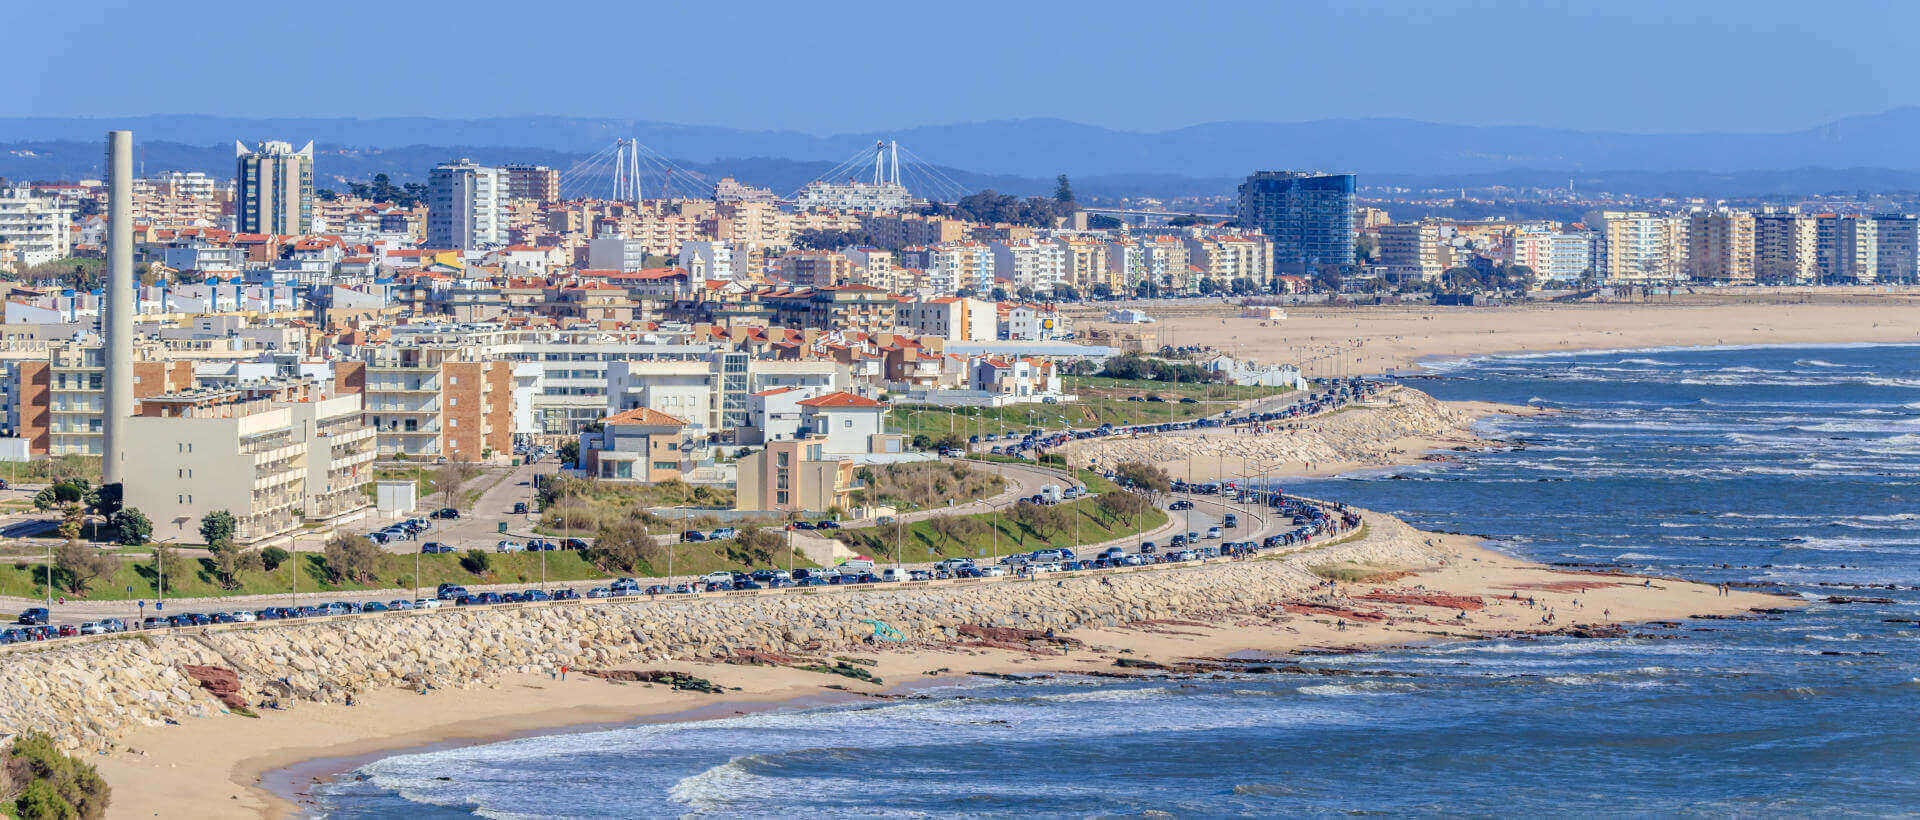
[[693, 535], [446, 513], [34, 615]]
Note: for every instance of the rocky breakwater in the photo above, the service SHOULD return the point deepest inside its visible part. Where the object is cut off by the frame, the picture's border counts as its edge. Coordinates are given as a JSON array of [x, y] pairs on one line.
[[89, 693], [1378, 430]]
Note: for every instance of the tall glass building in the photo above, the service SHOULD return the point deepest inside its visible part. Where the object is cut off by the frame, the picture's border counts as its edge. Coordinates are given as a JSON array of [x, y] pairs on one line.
[[1307, 216]]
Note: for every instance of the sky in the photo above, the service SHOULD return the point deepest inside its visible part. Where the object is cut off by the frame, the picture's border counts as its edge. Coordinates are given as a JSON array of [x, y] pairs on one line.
[[830, 67]]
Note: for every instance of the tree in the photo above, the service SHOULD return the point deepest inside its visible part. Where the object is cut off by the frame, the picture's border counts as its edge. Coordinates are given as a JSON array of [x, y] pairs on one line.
[[1062, 191], [476, 562], [1065, 293], [351, 558], [169, 563], [568, 452], [272, 557], [1366, 248], [83, 565], [1186, 221], [622, 545], [51, 783], [217, 527], [1123, 505], [1149, 477], [451, 476], [226, 562], [131, 527]]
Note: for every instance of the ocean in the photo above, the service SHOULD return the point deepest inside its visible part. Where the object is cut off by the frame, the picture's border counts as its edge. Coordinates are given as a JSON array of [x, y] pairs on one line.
[[1792, 467]]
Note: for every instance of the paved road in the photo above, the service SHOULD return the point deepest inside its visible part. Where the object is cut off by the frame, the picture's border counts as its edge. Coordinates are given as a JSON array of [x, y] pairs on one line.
[[1256, 523]]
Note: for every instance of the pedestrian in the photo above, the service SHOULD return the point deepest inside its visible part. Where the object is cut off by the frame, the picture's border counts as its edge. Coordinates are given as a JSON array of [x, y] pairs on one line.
[[563, 672]]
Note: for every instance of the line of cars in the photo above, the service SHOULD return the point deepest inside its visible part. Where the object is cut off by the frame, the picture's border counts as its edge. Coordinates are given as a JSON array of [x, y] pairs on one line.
[[410, 528]]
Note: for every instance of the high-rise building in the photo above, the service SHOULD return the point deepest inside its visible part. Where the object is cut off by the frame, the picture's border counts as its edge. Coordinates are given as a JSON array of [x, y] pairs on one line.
[[1720, 246], [1556, 256], [1785, 245], [466, 206], [1899, 251], [1412, 251], [1635, 248], [1847, 248], [533, 182], [1308, 217], [39, 228], [275, 188]]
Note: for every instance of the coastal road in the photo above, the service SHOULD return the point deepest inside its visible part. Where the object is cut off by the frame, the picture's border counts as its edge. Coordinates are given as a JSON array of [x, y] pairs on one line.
[[1255, 523]]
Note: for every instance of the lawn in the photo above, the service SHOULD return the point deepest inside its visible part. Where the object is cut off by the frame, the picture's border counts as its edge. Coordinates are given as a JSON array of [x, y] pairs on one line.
[[989, 535], [23, 578], [1102, 401], [922, 484]]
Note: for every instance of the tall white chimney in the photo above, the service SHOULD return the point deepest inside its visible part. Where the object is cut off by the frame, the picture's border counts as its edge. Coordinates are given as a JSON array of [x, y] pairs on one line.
[[119, 298]]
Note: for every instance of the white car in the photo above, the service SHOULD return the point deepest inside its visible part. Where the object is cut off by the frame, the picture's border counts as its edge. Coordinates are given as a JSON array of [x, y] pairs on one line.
[[244, 617], [509, 546], [426, 603], [994, 571], [93, 628]]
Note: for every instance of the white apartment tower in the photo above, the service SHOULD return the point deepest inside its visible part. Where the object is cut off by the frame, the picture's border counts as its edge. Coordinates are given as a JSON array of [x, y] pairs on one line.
[[466, 206]]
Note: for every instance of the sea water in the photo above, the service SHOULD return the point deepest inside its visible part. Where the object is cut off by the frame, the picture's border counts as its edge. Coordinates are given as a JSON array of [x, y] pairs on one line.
[[1795, 467]]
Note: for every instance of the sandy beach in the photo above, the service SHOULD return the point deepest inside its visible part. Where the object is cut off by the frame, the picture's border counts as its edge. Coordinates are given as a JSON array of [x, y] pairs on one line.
[[1380, 339], [224, 767], [231, 766]]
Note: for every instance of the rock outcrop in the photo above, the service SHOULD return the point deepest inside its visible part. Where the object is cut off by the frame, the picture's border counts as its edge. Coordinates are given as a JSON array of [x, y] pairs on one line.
[[1370, 432], [88, 692]]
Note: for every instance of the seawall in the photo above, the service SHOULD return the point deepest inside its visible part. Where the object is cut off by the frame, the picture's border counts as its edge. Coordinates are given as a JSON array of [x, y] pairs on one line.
[[89, 693]]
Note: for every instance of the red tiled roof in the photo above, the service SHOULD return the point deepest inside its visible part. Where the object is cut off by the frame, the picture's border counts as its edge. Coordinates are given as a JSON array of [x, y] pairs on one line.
[[645, 415], [833, 400]]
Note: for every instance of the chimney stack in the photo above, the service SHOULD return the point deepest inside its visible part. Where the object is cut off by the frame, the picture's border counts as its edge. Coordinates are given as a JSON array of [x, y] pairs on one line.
[[120, 293]]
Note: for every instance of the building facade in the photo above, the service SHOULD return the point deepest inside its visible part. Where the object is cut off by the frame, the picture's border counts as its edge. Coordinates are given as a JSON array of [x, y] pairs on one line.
[[274, 188], [1307, 216]]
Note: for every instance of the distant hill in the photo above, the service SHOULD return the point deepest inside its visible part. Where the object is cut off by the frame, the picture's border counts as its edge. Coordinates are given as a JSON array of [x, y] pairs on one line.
[[1040, 148], [1876, 153]]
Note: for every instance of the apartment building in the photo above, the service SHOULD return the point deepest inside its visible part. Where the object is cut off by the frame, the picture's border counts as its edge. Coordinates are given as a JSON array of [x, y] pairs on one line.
[[537, 182], [433, 401], [896, 231], [1720, 246], [466, 206], [1635, 248], [1309, 218], [953, 267], [179, 199], [1555, 256], [711, 260], [1166, 263], [38, 228], [1035, 264], [954, 318], [1413, 251], [1785, 247], [816, 269], [1227, 257], [1846, 248], [55, 400], [1898, 254], [274, 455], [1083, 266], [274, 188], [842, 308]]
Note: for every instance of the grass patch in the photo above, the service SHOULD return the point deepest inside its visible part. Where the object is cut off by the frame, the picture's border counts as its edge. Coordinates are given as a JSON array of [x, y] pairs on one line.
[[49, 470], [583, 505], [1102, 401], [922, 484], [987, 535], [198, 580]]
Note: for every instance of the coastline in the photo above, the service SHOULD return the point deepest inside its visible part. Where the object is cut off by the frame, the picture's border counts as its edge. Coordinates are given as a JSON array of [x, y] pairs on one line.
[[180, 764], [246, 760]]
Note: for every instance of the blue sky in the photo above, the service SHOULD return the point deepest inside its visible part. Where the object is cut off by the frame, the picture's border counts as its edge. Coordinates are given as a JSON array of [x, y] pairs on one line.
[[825, 67]]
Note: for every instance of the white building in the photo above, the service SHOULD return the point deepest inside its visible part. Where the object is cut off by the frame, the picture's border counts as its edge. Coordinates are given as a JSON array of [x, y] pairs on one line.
[[466, 206], [270, 460], [849, 422], [775, 414], [709, 260], [1034, 264], [1035, 323], [855, 196], [954, 318], [37, 228], [1557, 256]]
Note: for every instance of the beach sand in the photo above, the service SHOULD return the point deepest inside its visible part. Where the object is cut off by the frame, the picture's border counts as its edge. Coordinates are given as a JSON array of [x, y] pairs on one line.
[[1370, 340], [222, 767]]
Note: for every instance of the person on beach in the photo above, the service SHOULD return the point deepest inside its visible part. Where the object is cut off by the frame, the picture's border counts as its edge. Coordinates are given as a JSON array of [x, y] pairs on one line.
[[563, 672]]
